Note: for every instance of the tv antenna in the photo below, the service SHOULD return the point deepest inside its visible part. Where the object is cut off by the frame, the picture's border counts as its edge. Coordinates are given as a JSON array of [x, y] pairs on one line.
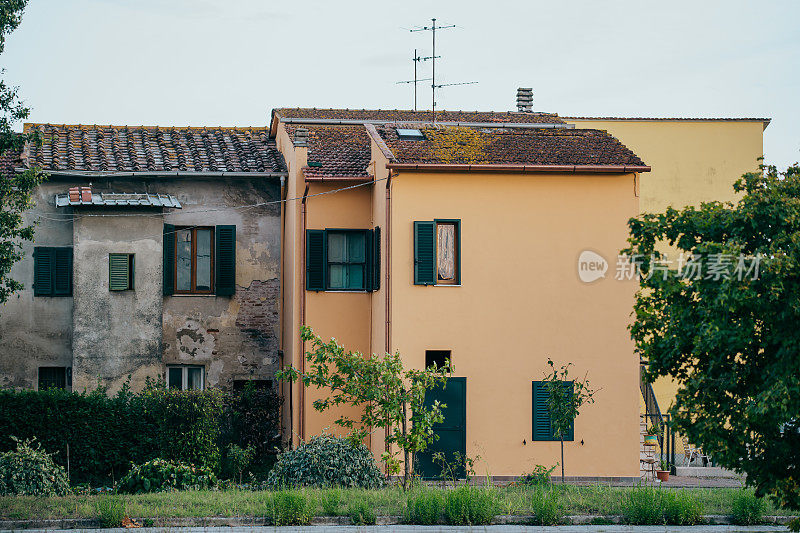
[[432, 28], [416, 59]]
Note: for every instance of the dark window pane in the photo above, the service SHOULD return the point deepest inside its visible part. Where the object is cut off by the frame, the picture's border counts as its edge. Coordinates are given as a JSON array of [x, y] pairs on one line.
[[203, 281], [175, 378], [52, 377], [356, 248], [195, 378], [355, 276], [337, 249], [183, 260], [438, 357]]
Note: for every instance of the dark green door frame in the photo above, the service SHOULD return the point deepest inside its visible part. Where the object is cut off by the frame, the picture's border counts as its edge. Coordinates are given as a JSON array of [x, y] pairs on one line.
[[452, 431]]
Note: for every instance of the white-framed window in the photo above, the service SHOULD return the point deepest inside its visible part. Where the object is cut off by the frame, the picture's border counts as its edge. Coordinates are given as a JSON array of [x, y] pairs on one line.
[[186, 377]]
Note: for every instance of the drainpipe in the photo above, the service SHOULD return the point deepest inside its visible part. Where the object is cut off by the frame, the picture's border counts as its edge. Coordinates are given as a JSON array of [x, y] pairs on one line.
[[388, 269], [281, 353], [303, 318]]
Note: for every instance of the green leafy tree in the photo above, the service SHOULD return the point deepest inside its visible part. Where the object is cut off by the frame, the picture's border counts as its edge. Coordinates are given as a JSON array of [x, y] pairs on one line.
[[15, 189], [728, 332], [387, 395], [565, 398]]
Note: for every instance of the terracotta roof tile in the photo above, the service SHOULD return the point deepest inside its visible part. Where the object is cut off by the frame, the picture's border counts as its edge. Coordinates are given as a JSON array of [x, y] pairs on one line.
[[335, 151], [152, 149], [399, 115], [476, 146]]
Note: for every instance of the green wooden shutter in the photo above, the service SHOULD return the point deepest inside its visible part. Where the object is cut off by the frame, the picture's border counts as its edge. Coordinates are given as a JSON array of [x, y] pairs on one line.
[[119, 271], [43, 263], [542, 430], [376, 259], [315, 259], [169, 259], [62, 272], [424, 253], [458, 252], [225, 261]]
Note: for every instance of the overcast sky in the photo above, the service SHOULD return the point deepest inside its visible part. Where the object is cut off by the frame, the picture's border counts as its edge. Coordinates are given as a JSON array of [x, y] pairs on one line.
[[228, 62]]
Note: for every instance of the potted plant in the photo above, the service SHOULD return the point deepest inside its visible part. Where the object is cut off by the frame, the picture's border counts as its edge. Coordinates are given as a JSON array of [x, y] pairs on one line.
[[663, 471], [651, 437]]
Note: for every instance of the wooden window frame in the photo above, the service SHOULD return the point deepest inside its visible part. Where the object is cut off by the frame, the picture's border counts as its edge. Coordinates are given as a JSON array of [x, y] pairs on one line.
[[365, 282], [193, 254], [456, 281]]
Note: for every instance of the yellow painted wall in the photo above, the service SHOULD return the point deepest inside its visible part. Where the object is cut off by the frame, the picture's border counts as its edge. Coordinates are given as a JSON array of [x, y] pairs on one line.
[[520, 302], [692, 162]]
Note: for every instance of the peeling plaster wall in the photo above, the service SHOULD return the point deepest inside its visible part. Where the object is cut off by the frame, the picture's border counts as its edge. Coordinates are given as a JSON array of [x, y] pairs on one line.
[[37, 331]]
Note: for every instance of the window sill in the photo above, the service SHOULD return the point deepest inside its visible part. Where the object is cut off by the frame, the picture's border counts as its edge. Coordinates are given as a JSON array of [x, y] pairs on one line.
[[190, 295], [446, 285], [338, 291]]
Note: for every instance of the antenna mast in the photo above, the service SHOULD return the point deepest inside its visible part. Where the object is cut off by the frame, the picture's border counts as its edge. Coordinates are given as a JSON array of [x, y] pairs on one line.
[[416, 59], [432, 28]]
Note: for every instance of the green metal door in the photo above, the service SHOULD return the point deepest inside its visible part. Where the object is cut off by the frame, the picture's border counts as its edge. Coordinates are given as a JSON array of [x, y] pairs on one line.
[[452, 431]]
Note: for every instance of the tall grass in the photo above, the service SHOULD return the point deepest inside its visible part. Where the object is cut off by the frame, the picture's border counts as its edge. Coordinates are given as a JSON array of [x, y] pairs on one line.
[[546, 507], [423, 507], [292, 508], [110, 511], [470, 506], [746, 508], [681, 508]]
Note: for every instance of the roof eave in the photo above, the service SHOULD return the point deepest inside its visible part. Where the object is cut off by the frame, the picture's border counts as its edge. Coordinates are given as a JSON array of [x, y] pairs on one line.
[[494, 167], [159, 174]]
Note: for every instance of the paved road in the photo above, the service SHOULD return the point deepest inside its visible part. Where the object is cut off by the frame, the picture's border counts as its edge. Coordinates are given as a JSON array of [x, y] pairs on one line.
[[431, 529]]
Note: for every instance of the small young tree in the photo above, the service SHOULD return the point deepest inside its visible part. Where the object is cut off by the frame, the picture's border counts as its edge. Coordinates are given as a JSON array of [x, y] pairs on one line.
[[564, 399], [387, 395]]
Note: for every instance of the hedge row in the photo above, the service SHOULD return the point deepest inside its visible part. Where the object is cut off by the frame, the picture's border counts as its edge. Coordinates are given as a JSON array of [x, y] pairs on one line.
[[104, 434]]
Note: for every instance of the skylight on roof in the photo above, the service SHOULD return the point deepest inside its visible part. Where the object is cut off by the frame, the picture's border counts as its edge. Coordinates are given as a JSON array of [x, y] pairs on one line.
[[410, 134]]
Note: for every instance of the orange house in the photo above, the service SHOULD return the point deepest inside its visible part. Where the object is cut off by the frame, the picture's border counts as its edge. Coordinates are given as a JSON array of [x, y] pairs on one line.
[[467, 239]]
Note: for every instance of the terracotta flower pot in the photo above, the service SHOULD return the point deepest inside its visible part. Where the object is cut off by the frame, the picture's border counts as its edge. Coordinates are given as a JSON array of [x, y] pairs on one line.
[[662, 475]]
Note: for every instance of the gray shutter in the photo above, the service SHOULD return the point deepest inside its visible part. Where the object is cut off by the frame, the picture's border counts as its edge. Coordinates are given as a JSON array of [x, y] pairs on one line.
[[225, 261], [62, 271], [43, 260], [424, 253], [119, 272]]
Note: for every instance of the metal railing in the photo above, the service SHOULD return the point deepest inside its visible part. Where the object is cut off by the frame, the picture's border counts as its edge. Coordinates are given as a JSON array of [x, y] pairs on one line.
[[659, 422]]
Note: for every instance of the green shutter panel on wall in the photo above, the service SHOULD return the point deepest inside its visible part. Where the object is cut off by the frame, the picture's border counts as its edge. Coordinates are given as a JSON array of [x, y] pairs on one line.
[[424, 253], [62, 271], [542, 430], [571, 433], [225, 260], [169, 259], [119, 272], [315, 260], [376, 259], [43, 259]]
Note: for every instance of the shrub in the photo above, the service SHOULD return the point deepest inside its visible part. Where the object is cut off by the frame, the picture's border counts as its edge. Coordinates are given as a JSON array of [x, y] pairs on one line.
[[161, 475], [331, 501], [469, 506], [292, 508], [326, 461], [239, 459], [746, 508], [424, 507], [29, 470], [546, 508], [361, 513], [680, 508], [642, 506], [110, 511], [539, 476]]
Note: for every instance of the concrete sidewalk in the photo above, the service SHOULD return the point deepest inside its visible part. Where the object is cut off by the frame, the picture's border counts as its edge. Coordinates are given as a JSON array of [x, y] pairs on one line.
[[433, 529]]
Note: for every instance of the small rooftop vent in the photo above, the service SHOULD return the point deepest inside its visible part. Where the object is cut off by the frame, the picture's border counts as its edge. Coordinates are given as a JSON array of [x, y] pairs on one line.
[[525, 99], [301, 137], [410, 134]]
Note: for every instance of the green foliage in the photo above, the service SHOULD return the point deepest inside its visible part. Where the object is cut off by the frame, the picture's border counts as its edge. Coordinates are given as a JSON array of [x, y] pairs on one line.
[[29, 470], [110, 511], [252, 420], [331, 502], [361, 513], [546, 507], [158, 475], [239, 459], [539, 476], [747, 509], [387, 395], [292, 508], [424, 507], [643, 506], [681, 508], [326, 461], [470, 506], [450, 470], [729, 338], [107, 434]]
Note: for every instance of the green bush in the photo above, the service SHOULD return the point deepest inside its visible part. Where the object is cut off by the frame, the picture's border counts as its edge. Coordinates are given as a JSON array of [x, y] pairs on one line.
[[539, 476], [642, 506], [546, 508], [424, 507], [361, 513], [746, 508], [292, 508], [680, 508], [110, 511], [469, 506], [159, 475], [29, 470], [326, 461], [239, 459], [106, 434], [331, 502]]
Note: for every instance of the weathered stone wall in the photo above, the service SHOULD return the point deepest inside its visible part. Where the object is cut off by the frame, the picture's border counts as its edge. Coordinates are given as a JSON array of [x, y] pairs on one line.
[[37, 331]]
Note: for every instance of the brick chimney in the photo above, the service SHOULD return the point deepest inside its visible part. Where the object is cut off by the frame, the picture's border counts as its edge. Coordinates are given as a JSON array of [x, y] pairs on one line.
[[525, 99]]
